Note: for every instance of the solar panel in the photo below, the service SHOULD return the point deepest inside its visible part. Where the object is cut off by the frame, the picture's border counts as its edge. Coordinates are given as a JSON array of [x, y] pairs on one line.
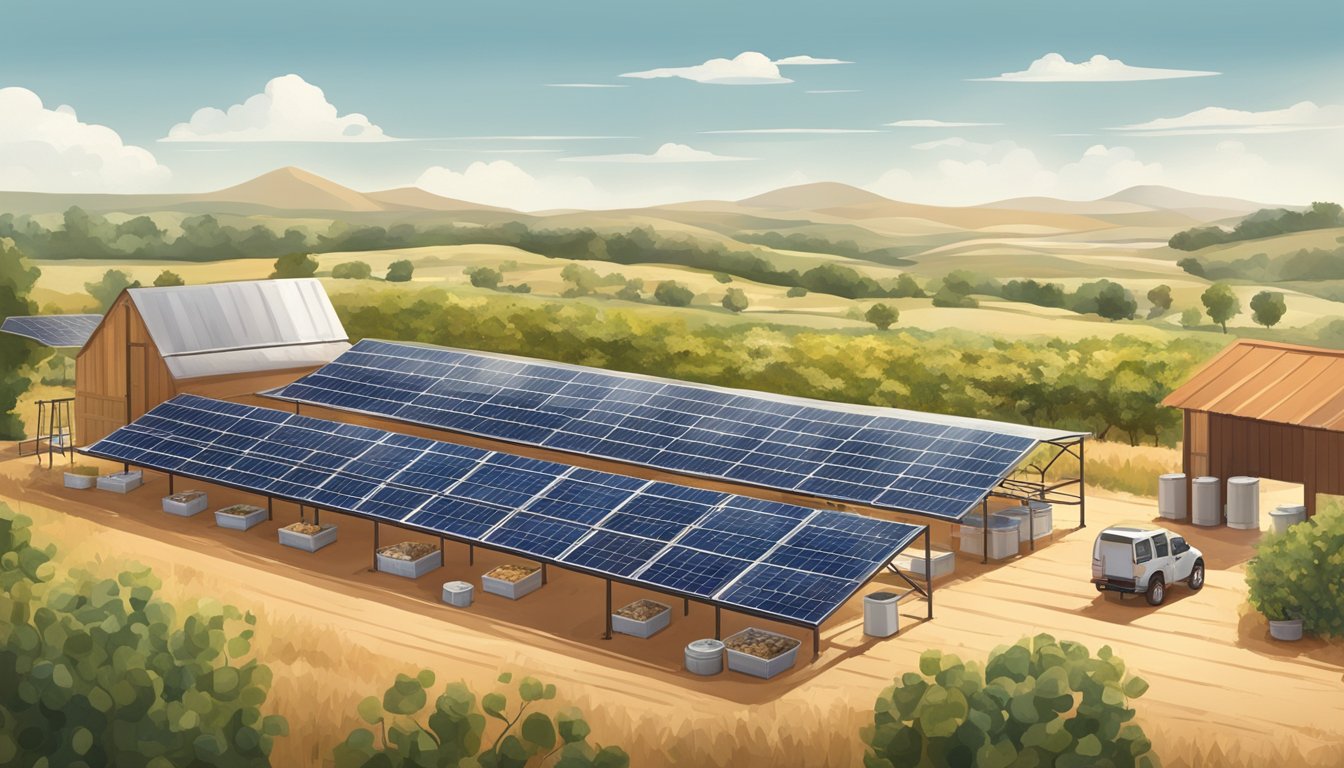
[[694, 542], [930, 466], [53, 330]]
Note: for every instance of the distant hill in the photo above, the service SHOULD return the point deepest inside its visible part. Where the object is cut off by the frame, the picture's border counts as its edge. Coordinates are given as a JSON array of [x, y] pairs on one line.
[[815, 197], [284, 189], [1166, 198]]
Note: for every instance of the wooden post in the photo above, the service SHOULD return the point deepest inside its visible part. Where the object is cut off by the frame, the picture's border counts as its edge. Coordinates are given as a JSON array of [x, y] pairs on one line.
[[685, 606], [984, 518], [375, 545], [718, 623], [270, 508], [170, 483], [928, 570], [607, 636], [543, 573], [471, 554], [317, 515]]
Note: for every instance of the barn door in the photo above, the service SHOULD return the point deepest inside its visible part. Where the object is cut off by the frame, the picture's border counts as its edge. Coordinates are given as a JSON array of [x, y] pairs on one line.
[[1198, 423]]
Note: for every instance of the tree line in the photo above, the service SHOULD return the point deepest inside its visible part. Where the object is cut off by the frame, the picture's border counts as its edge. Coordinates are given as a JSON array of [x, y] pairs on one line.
[[1268, 222], [1108, 386]]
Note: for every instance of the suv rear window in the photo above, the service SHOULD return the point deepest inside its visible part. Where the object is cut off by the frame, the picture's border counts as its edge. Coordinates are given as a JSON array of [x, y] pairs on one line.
[[1143, 551], [1160, 545]]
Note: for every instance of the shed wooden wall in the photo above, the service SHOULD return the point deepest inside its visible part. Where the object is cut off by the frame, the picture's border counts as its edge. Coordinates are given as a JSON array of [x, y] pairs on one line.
[[100, 373], [1227, 446]]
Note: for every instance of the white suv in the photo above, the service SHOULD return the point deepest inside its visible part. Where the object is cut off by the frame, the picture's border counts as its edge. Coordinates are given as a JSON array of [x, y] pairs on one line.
[[1145, 559]]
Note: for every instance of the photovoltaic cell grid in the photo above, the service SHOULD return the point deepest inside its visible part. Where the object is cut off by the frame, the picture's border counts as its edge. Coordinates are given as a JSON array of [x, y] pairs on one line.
[[923, 467], [53, 330], [778, 560]]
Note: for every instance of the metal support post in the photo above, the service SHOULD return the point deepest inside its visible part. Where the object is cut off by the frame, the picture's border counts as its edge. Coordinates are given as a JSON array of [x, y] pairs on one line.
[[816, 643], [984, 518], [375, 545], [270, 508], [928, 570], [607, 636], [685, 606], [170, 483], [718, 623], [471, 554], [1082, 485], [543, 573]]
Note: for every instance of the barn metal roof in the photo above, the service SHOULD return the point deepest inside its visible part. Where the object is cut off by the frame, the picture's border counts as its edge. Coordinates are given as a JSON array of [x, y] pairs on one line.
[[242, 327], [1282, 383]]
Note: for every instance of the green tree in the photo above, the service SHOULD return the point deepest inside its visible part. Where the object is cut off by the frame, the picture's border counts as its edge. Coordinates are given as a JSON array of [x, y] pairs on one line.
[[352, 270], [106, 672], [582, 280], [1298, 574], [723, 277], [109, 287], [1190, 317], [17, 278], [1221, 304], [1039, 702], [167, 278], [400, 271], [948, 297], [734, 300], [293, 265], [795, 292], [454, 733], [1268, 308], [673, 294], [882, 315], [1160, 298], [484, 277], [1116, 303]]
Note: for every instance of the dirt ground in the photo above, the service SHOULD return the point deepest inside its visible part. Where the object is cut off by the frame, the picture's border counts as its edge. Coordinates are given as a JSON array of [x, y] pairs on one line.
[[1222, 693]]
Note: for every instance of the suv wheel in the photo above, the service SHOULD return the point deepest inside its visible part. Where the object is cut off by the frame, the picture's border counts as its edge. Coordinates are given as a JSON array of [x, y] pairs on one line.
[[1196, 580], [1157, 591]]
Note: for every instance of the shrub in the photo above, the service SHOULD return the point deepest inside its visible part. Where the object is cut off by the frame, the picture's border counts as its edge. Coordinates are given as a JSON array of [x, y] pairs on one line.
[[1036, 703], [168, 278], [948, 297], [796, 291], [109, 287], [107, 673], [294, 265], [484, 277], [882, 316], [1300, 574], [400, 271], [1221, 304], [352, 270], [723, 277], [455, 730], [1268, 308], [673, 294], [734, 300], [1190, 317]]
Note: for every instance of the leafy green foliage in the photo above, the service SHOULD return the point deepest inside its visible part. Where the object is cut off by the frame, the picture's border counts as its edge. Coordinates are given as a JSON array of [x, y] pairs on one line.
[[484, 277], [1299, 574], [882, 316], [723, 277], [673, 294], [1190, 317], [1038, 702], [1263, 223], [293, 265], [352, 270], [109, 287], [105, 672], [1159, 297], [400, 271], [168, 278], [1103, 297], [1268, 308], [796, 291], [1221, 304], [17, 278], [84, 235], [1096, 384], [1032, 292], [734, 300], [455, 731]]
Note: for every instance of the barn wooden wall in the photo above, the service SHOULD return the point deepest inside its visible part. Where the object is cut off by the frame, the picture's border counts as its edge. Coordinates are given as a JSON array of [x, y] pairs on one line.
[[1235, 446], [100, 373]]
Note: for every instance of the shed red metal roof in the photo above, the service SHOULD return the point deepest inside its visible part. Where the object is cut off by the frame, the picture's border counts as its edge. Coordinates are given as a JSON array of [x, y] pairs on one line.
[[1262, 380]]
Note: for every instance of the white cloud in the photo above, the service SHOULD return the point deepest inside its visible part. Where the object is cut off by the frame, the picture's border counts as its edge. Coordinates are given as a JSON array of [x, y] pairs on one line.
[[1302, 116], [667, 153], [1054, 68], [289, 109], [746, 68], [585, 85], [793, 130], [50, 150], [955, 142], [936, 124], [504, 184], [536, 138], [1006, 169], [808, 61]]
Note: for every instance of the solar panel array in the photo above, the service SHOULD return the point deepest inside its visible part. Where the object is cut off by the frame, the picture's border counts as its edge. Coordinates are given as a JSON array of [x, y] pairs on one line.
[[778, 560], [53, 330], [928, 468]]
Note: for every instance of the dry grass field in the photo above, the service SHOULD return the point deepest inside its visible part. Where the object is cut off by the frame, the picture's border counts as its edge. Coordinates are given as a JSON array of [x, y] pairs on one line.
[[1222, 693]]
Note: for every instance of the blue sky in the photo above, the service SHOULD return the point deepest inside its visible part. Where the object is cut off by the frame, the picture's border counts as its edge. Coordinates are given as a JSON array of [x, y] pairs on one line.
[[449, 76]]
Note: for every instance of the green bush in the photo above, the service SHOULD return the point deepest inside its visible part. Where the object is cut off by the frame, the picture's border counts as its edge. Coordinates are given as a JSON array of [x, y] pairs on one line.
[[1036, 703], [98, 671], [293, 265], [1299, 574], [454, 732], [352, 270], [673, 294], [400, 271], [735, 300]]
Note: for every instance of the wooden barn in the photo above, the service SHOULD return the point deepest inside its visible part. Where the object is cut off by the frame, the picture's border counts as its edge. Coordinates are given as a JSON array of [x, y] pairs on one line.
[[1268, 410], [227, 340]]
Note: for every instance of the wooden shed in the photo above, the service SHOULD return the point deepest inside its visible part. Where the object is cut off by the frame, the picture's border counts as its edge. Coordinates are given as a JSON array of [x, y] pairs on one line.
[[226, 340], [1268, 410]]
